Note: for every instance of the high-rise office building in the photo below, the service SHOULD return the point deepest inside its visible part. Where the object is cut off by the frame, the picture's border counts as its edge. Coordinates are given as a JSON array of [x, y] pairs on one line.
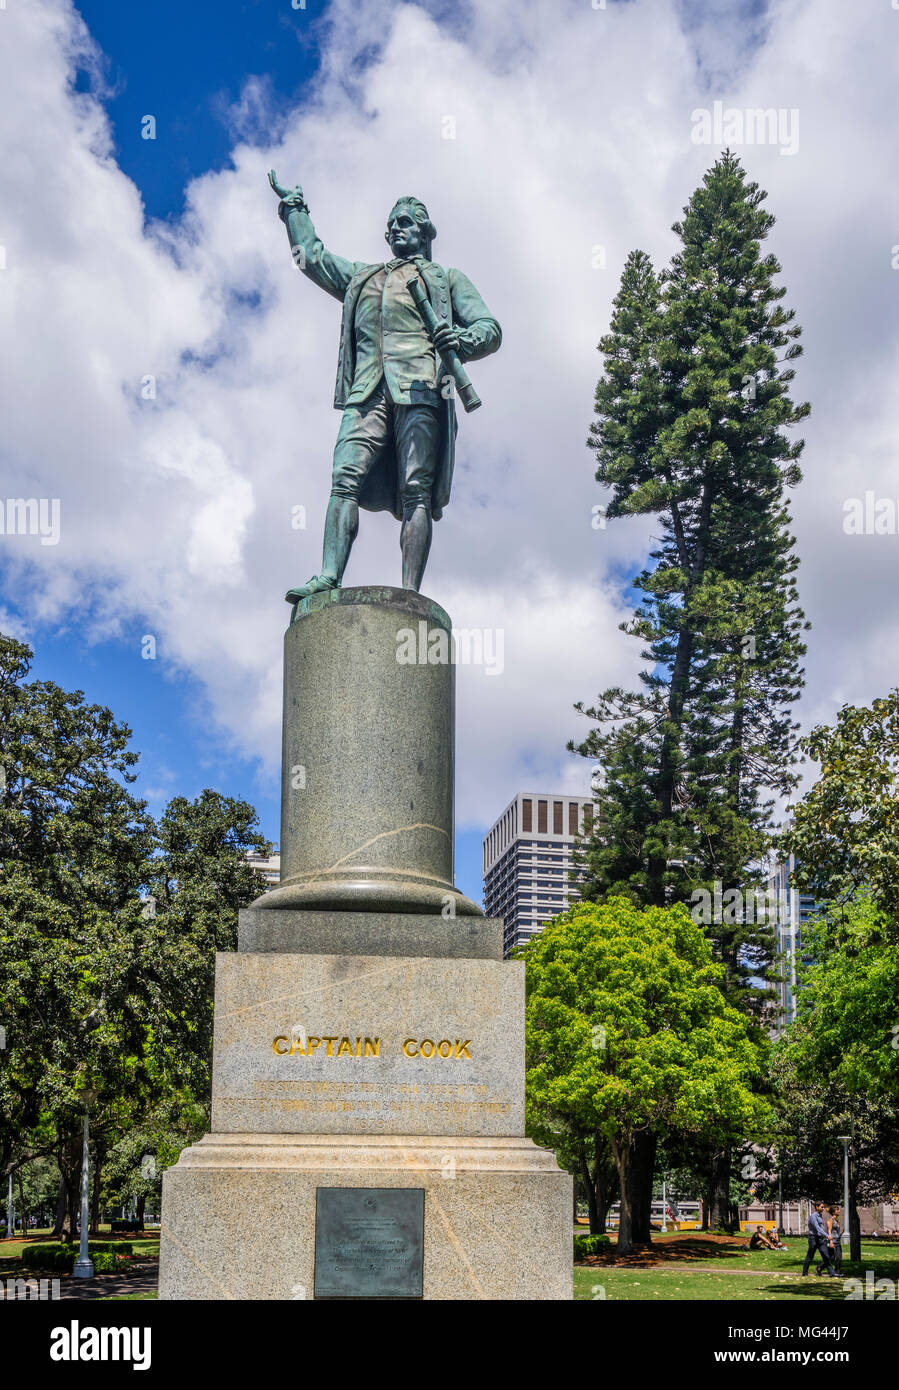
[[528, 858], [793, 910]]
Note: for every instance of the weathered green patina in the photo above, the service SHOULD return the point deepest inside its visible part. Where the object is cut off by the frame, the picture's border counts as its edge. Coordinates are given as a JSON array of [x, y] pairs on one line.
[[395, 381]]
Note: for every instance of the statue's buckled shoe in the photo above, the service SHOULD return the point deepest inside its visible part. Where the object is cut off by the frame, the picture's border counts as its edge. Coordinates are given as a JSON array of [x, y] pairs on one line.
[[318, 584]]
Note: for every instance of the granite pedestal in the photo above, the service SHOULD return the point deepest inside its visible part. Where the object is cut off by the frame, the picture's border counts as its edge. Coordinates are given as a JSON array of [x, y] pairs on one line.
[[369, 1036]]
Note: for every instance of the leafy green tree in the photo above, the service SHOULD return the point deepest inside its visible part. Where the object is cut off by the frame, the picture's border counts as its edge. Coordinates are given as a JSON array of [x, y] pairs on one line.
[[587, 1155], [846, 846], [38, 1184], [848, 999], [838, 1062], [695, 1169], [137, 1158], [629, 1036], [108, 927], [814, 1107], [845, 830], [199, 880], [73, 848]]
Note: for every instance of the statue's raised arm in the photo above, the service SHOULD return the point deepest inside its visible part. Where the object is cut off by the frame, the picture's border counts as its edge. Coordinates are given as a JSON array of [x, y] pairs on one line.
[[332, 273]]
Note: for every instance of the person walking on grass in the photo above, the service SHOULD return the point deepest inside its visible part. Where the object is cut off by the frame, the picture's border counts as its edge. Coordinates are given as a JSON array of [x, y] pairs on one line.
[[834, 1240], [818, 1241]]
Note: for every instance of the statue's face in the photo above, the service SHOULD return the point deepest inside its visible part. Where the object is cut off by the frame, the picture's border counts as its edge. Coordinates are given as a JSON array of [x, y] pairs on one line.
[[404, 234]]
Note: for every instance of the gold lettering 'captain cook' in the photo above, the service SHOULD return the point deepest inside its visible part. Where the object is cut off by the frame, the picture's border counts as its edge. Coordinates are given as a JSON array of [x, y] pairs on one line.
[[428, 1048], [369, 1047], [364, 1047]]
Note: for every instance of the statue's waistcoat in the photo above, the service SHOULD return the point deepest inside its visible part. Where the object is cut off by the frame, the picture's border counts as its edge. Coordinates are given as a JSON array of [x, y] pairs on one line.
[[437, 284]]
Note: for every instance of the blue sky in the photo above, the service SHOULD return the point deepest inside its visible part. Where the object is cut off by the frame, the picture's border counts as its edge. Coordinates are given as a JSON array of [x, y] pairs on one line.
[[186, 64]]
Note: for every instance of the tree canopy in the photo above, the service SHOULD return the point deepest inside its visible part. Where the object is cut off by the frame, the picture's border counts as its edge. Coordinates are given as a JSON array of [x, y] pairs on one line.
[[109, 924], [629, 1035]]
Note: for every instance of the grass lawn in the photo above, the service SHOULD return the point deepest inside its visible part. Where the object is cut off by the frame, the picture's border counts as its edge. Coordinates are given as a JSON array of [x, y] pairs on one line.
[[722, 1271], [677, 1283]]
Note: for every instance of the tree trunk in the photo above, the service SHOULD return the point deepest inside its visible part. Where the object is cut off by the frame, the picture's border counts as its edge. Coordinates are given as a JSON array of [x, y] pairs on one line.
[[72, 1195], [95, 1196], [590, 1190], [602, 1191], [61, 1204], [636, 1161], [855, 1225], [605, 1182], [141, 1207], [69, 1160], [720, 1215]]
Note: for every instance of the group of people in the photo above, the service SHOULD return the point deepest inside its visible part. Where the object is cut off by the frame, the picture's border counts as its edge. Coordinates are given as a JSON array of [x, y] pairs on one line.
[[824, 1239]]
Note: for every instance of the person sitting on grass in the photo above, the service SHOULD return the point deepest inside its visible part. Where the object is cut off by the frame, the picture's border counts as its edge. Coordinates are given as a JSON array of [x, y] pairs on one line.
[[759, 1240]]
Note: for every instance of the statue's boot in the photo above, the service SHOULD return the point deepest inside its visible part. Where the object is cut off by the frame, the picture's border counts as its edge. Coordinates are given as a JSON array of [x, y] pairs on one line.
[[318, 584]]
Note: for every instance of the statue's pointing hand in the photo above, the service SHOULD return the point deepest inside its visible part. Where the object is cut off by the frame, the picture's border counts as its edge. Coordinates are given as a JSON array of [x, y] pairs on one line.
[[290, 197]]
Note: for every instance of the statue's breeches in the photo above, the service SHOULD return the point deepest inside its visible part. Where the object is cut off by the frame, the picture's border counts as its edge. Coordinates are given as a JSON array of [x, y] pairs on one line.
[[412, 433]]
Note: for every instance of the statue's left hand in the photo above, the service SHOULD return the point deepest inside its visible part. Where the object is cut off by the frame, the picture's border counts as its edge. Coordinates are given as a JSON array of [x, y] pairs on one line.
[[446, 339]]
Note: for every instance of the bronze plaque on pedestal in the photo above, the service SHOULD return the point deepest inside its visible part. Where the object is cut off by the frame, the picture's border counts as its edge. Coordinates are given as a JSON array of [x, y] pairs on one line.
[[369, 1242]]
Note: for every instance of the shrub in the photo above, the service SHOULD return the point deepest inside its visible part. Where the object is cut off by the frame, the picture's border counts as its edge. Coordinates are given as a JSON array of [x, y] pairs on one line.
[[61, 1258], [105, 1262], [590, 1245]]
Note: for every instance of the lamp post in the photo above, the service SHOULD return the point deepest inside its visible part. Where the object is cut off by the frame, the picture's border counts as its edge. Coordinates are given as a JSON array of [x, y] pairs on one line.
[[84, 1265], [9, 1211], [844, 1140], [664, 1202]]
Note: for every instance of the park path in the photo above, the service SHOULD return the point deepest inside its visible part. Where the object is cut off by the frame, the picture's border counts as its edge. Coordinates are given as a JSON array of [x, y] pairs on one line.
[[144, 1280]]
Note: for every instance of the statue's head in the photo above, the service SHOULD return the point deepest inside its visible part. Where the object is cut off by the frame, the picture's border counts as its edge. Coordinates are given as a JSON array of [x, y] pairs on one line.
[[410, 230]]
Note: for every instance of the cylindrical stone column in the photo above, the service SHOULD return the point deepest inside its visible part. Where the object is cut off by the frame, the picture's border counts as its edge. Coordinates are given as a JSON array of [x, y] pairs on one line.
[[368, 756]]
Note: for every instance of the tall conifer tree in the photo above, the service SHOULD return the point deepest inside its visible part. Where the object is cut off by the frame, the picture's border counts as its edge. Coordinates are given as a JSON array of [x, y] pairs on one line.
[[691, 413]]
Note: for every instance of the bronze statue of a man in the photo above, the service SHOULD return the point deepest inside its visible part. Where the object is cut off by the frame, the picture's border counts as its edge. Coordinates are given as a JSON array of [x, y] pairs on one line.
[[395, 445]]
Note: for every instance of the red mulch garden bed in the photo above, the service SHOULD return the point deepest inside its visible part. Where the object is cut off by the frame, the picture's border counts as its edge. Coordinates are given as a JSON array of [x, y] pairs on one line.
[[688, 1245]]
